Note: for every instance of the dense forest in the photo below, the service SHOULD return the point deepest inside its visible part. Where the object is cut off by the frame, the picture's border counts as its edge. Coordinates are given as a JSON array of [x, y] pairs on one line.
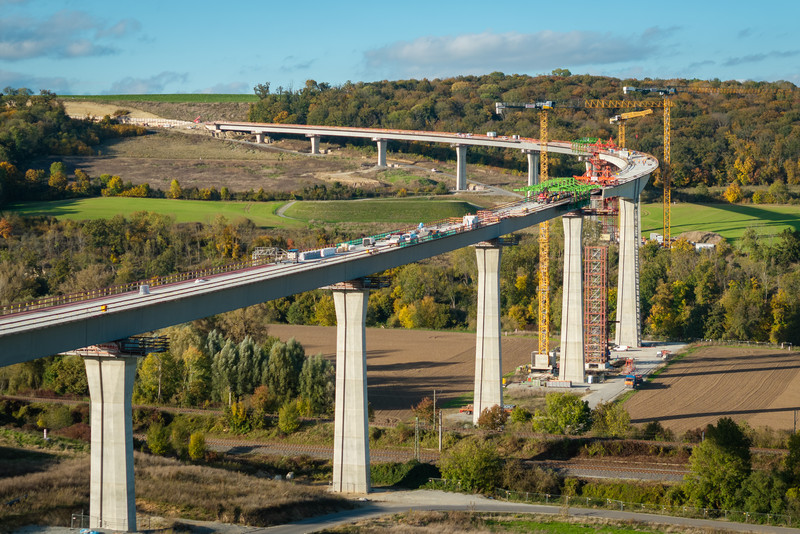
[[716, 138]]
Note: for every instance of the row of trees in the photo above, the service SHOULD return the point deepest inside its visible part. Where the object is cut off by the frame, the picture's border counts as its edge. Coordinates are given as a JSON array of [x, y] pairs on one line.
[[717, 139]]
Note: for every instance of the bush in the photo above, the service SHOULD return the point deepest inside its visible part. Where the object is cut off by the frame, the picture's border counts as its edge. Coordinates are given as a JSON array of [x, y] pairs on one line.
[[520, 415], [565, 414], [289, 418], [520, 476], [179, 438], [475, 464], [493, 419], [158, 438], [411, 474], [610, 419], [197, 446]]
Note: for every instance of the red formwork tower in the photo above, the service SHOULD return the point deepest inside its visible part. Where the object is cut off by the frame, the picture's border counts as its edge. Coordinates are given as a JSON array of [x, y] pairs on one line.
[[595, 306]]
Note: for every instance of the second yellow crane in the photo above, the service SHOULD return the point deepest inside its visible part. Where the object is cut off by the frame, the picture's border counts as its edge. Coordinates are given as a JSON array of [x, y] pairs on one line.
[[621, 119]]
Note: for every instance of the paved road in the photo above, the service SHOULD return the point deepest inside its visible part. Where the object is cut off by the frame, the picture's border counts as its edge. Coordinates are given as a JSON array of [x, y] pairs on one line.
[[392, 502]]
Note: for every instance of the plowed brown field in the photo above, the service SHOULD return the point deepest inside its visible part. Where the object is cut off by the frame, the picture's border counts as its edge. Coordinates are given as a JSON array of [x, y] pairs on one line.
[[759, 386], [403, 366]]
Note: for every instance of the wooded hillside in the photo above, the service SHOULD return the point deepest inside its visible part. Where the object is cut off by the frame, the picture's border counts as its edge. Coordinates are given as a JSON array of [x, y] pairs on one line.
[[716, 138]]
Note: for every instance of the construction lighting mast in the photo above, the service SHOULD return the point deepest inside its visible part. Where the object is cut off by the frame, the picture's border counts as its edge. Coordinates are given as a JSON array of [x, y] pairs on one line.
[[544, 227]]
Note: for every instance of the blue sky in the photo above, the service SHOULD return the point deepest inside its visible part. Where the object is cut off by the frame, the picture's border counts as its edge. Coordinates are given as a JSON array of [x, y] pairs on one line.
[[176, 46]]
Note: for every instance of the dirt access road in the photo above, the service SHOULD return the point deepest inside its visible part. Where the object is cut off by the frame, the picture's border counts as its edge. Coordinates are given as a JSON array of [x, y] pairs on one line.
[[757, 386]]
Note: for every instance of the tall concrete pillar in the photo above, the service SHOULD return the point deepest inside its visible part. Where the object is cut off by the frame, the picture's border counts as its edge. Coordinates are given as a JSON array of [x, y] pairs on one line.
[[112, 501], [259, 138], [572, 365], [314, 144], [628, 320], [381, 151], [533, 167], [351, 431], [488, 357], [461, 167]]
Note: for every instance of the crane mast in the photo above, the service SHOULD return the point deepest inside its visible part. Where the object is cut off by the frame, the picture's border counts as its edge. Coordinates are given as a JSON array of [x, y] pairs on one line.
[[544, 227]]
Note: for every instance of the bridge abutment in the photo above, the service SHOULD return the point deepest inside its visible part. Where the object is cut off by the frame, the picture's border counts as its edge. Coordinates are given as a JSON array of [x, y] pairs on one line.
[[112, 501], [488, 355], [628, 321], [572, 365], [351, 432]]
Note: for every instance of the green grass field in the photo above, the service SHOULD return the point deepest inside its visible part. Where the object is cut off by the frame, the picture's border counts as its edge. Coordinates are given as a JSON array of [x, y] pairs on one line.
[[728, 220], [182, 98], [389, 210], [261, 213]]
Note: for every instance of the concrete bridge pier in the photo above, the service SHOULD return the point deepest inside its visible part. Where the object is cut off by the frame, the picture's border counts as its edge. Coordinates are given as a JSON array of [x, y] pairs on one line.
[[572, 363], [259, 138], [533, 167], [314, 144], [381, 151], [351, 432], [488, 355], [112, 501], [628, 319], [461, 167]]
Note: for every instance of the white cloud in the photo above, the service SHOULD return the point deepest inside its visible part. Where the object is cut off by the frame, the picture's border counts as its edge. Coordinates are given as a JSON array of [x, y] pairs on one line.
[[143, 86], [509, 52], [63, 35], [231, 88], [35, 83]]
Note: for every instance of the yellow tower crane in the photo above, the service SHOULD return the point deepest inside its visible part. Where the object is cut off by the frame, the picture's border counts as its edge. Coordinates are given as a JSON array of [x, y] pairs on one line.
[[621, 119], [665, 103], [666, 93], [544, 227]]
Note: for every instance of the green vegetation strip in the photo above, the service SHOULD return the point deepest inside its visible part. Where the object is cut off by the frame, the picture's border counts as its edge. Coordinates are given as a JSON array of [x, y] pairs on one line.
[[399, 211], [728, 220], [173, 98], [261, 213]]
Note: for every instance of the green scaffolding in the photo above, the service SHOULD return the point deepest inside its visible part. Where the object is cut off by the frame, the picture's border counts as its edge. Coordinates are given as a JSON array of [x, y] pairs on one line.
[[582, 144], [567, 184]]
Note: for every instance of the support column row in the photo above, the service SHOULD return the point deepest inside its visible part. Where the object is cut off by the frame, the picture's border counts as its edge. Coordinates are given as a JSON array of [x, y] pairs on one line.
[[572, 364], [628, 321], [488, 354], [351, 431], [112, 500], [381, 151], [461, 167], [533, 167]]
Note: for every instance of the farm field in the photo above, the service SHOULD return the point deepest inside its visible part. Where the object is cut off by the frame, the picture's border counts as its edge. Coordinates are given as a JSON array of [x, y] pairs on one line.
[[261, 213], [728, 220], [172, 98], [380, 210], [404, 366], [757, 386]]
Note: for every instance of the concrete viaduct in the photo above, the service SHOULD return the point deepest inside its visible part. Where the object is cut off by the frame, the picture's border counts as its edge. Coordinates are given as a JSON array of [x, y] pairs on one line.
[[36, 331], [460, 142]]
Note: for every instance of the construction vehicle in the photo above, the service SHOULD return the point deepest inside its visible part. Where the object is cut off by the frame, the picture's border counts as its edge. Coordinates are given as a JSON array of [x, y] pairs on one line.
[[466, 409], [633, 381]]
